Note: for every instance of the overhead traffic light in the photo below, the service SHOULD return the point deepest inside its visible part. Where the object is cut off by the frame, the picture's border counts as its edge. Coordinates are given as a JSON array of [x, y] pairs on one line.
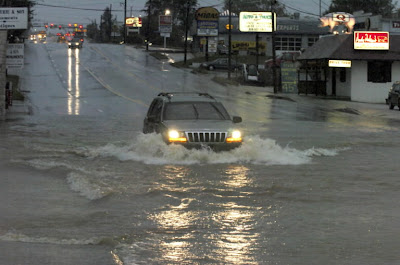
[[69, 25], [51, 25], [46, 26], [80, 27], [59, 27]]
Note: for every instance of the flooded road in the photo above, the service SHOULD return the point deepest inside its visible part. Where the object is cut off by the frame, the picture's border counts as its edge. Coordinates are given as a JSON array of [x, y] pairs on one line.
[[315, 181]]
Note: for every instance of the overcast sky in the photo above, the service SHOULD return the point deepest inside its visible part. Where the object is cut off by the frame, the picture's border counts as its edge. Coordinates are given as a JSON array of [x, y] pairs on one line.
[[84, 11]]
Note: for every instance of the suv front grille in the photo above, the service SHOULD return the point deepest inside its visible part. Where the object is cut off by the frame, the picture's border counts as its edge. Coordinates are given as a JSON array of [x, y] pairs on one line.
[[206, 137]]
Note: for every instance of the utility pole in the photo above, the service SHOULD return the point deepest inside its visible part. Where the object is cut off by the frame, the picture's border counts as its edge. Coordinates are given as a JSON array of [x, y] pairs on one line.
[[110, 26], [273, 49], [125, 22], [186, 30], [229, 38], [148, 25]]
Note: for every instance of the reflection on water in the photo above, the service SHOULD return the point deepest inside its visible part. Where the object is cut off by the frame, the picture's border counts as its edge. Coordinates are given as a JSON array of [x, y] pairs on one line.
[[73, 88], [230, 225]]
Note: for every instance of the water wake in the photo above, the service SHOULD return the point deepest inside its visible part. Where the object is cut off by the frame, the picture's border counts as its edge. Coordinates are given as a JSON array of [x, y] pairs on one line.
[[150, 149]]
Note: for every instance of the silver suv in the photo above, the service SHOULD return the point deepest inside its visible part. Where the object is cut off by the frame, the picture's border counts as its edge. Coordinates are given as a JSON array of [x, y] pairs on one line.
[[194, 120]]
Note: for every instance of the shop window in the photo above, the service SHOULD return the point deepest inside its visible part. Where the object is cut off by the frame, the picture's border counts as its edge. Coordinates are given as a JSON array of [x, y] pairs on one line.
[[287, 44], [379, 72], [312, 40]]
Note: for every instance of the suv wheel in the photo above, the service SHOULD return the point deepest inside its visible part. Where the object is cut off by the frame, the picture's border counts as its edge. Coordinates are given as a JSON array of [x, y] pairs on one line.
[[391, 106], [211, 67]]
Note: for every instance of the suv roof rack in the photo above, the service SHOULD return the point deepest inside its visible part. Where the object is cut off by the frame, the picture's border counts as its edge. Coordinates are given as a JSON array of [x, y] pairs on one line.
[[170, 94]]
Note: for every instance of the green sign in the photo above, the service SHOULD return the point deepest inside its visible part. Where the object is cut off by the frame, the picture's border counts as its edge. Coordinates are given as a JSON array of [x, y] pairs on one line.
[[289, 77]]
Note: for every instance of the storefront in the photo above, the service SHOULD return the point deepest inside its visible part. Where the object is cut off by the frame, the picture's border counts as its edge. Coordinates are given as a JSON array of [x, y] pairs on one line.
[[336, 66]]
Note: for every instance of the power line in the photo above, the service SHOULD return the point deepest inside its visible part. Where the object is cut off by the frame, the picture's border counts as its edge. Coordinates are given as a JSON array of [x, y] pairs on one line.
[[80, 8], [299, 10]]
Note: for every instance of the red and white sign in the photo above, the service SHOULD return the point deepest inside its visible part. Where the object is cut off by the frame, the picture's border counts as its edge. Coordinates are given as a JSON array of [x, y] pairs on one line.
[[135, 22], [341, 17], [371, 40]]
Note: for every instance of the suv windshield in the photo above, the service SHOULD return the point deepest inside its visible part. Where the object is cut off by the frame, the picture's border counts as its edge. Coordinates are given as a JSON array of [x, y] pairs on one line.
[[195, 111]]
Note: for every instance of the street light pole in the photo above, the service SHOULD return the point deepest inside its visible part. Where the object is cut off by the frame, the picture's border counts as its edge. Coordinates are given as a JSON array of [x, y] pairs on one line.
[[125, 22], [229, 38], [186, 30], [148, 26]]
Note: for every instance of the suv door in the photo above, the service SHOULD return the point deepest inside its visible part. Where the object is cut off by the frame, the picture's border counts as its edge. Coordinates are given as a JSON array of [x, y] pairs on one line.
[[153, 118]]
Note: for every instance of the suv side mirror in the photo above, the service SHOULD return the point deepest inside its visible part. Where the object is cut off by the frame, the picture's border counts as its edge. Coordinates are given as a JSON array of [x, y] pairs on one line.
[[236, 119]]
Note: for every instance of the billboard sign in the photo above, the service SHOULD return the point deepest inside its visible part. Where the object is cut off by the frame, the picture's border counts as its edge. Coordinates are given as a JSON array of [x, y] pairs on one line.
[[135, 22], [257, 22], [207, 21], [15, 56], [371, 40], [13, 18]]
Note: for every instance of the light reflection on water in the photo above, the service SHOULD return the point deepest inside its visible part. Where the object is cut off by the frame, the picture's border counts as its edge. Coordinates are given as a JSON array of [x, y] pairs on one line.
[[73, 89], [222, 222]]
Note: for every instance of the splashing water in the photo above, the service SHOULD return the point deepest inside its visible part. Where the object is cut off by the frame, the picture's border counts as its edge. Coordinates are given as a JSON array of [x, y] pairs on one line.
[[150, 149]]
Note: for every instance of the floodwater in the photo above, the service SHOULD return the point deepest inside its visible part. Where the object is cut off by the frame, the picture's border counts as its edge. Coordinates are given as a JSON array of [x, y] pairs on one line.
[[310, 185]]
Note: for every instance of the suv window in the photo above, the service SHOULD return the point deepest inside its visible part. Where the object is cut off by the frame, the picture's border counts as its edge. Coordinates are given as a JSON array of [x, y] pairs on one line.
[[155, 108], [194, 111]]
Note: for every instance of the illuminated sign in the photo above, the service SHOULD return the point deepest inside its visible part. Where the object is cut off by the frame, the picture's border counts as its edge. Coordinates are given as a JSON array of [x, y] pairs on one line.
[[371, 40], [207, 21], [340, 63], [133, 22], [257, 22], [341, 17]]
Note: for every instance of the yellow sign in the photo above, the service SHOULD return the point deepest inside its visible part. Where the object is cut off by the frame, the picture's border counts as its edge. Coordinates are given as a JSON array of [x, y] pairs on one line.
[[207, 14], [248, 45], [340, 63]]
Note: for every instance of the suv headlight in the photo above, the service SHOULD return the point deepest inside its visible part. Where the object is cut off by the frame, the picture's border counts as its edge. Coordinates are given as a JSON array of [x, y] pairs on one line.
[[234, 137], [175, 136]]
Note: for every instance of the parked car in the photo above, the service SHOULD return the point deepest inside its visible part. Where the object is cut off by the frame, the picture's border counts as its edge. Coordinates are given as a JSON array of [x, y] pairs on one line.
[[394, 95], [75, 43], [221, 63], [193, 120]]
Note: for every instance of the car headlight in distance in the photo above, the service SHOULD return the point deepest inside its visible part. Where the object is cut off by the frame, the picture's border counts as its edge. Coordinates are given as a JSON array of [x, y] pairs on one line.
[[235, 137], [175, 136], [69, 43]]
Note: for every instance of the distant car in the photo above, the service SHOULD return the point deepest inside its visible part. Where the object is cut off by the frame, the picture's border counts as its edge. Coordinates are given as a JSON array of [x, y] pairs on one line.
[[221, 63], [394, 96], [75, 43], [193, 120]]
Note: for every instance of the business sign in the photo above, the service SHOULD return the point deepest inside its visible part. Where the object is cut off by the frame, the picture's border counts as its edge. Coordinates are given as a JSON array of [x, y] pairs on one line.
[[165, 24], [248, 45], [341, 17], [207, 21], [289, 77], [339, 63], [135, 22], [257, 22], [13, 18], [15, 56], [371, 40]]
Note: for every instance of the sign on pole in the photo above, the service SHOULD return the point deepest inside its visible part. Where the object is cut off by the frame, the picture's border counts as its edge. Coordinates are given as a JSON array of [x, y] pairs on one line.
[[15, 56], [165, 24], [257, 22], [13, 18], [207, 21]]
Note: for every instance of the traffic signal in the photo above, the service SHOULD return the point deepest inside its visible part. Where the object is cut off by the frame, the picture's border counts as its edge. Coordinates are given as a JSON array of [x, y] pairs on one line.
[[80, 26], [46, 26], [59, 27], [51, 25], [69, 25]]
